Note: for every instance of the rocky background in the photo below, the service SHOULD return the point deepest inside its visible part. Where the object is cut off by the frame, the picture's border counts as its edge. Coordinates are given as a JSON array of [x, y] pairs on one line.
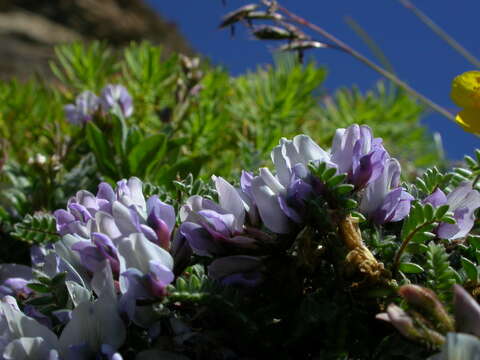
[[29, 29]]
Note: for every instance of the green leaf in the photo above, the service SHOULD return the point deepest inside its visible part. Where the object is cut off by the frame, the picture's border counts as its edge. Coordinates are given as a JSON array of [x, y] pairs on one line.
[[101, 149], [146, 153], [410, 268], [41, 288], [470, 269]]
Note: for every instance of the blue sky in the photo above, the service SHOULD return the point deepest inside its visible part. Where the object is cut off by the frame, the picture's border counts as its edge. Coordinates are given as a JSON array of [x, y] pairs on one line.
[[419, 57]]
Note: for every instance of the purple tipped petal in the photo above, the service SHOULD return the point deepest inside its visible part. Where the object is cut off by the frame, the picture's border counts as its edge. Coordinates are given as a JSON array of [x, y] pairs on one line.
[[158, 278], [105, 192], [199, 239], [437, 198]]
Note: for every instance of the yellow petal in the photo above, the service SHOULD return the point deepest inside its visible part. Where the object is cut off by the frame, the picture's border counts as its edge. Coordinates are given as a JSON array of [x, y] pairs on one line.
[[469, 119], [466, 90]]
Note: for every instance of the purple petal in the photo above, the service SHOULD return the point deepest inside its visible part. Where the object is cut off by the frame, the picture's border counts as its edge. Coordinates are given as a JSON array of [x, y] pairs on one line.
[[239, 270], [199, 239], [437, 198]]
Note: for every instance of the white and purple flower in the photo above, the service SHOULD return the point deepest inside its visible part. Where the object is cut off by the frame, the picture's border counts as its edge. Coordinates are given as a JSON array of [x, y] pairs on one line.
[[462, 201]]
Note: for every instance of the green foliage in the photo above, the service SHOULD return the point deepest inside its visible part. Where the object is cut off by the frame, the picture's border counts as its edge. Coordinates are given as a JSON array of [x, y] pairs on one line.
[[470, 173], [440, 275], [431, 180], [36, 229], [81, 66], [275, 101]]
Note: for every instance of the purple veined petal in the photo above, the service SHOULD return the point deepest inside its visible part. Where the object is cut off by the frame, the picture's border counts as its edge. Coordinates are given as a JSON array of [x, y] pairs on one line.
[[105, 192], [395, 207], [150, 234], [158, 278], [459, 194], [282, 165], [230, 201], [90, 257], [106, 224], [199, 239], [123, 219], [436, 199], [289, 211], [62, 218], [465, 222], [464, 197], [161, 210], [107, 249], [368, 168], [403, 208], [218, 225], [160, 236], [309, 150], [269, 208], [80, 212], [467, 312], [246, 182]]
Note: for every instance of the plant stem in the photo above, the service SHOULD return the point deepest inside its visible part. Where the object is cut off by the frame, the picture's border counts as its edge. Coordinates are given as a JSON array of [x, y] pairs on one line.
[[344, 47], [441, 33], [405, 242]]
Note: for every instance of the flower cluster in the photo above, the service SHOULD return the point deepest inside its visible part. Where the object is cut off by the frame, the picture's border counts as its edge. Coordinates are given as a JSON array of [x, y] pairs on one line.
[[112, 98], [120, 253]]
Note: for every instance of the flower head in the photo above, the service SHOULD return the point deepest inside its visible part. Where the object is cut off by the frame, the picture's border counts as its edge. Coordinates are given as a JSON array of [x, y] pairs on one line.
[[114, 96], [86, 104], [384, 200], [462, 201]]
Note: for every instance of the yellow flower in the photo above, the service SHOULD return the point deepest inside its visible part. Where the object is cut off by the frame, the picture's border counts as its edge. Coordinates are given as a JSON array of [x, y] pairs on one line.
[[466, 94]]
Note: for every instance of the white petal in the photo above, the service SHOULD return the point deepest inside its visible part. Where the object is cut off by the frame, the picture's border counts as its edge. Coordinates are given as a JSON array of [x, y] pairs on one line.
[[230, 200], [309, 150], [282, 165], [268, 207], [137, 251], [271, 181]]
